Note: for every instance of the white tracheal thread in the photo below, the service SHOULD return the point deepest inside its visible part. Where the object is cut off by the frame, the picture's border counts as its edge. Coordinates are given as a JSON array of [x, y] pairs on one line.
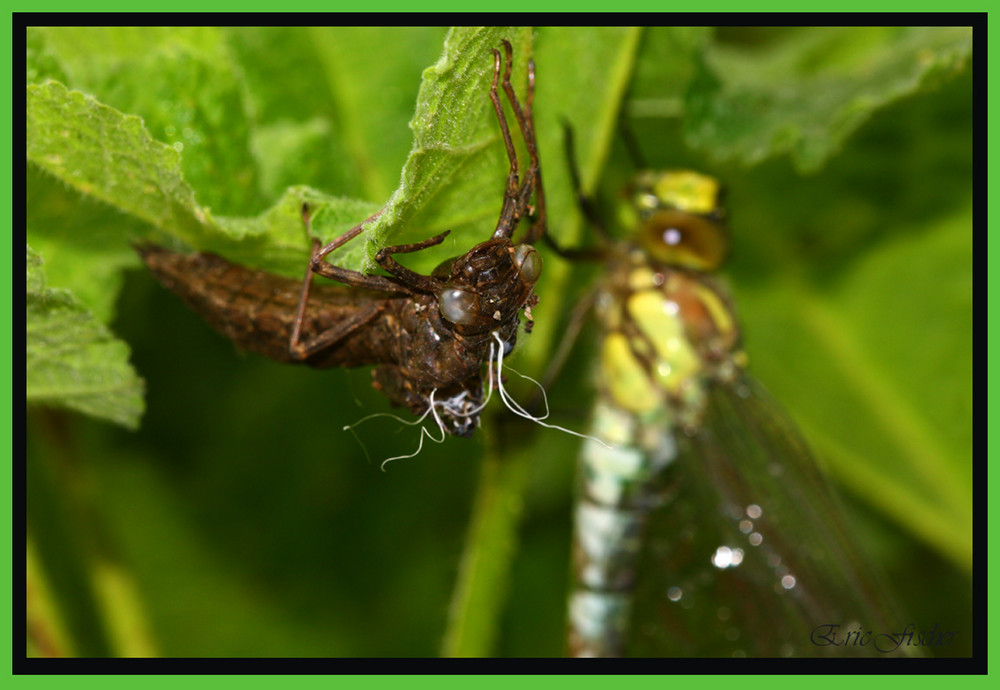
[[423, 430], [514, 407], [423, 433], [452, 407], [432, 404]]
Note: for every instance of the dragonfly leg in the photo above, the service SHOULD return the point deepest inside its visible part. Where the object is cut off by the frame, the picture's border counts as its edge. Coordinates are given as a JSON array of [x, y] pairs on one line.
[[586, 207], [300, 350], [585, 203], [631, 145], [332, 335], [526, 123], [574, 253], [346, 275], [411, 279], [512, 176], [518, 195], [578, 316]]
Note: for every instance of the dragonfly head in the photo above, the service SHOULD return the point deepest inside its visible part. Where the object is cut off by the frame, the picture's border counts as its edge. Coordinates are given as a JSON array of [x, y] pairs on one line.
[[458, 413], [679, 218], [454, 408], [486, 287]]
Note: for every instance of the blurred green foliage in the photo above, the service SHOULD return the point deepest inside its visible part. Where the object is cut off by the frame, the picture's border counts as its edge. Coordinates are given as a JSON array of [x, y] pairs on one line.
[[242, 520]]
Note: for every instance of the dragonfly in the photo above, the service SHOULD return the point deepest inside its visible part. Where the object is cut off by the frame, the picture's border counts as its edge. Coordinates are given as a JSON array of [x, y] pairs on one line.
[[428, 336], [703, 526]]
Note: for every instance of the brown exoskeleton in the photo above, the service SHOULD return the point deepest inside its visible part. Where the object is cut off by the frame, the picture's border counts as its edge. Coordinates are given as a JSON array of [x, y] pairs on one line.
[[428, 336]]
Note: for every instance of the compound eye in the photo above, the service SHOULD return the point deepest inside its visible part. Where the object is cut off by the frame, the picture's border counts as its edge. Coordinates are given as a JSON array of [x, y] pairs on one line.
[[682, 239], [528, 261], [459, 306]]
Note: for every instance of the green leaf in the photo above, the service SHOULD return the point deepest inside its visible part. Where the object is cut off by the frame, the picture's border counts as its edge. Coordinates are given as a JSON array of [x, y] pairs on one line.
[[81, 242], [807, 93], [454, 176], [41, 63], [184, 84], [345, 112], [668, 60], [890, 356], [856, 304], [924, 477], [275, 240], [587, 101], [110, 156], [72, 360]]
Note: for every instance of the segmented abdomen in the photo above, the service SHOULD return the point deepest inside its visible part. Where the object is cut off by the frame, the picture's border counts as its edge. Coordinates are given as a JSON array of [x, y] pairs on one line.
[[256, 309], [660, 329], [618, 488]]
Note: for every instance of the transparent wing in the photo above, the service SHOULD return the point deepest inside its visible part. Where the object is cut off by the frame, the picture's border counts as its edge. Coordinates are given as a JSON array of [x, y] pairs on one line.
[[750, 555]]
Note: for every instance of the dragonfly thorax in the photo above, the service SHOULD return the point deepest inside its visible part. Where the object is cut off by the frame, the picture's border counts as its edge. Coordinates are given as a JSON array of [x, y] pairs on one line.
[[668, 333], [487, 286]]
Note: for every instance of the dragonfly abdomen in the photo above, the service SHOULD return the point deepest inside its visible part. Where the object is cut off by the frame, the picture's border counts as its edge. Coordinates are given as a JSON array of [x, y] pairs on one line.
[[256, 309], [619, 487]]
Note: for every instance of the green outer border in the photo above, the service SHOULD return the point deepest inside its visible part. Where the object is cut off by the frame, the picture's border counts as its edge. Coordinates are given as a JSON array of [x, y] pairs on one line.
[[993, 380]]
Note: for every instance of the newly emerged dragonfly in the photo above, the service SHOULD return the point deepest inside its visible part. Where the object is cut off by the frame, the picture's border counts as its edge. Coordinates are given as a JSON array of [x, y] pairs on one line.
[[428, 335], [706, 529]]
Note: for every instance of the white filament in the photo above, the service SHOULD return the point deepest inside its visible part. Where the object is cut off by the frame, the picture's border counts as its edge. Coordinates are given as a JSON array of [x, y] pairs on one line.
[[423, 430], [514, 407], [489, 389], [453, 407], [450, 405], [423, 433]]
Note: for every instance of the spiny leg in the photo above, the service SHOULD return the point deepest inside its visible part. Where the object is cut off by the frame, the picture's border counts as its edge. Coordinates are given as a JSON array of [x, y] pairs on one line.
[[526, 123], [631, 145], [346, 275], [300, 350], [411, 279], [585, 203], [509, 213], [571, 332], [586, 207], [300, 310], [522, 115], [335, 333]]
